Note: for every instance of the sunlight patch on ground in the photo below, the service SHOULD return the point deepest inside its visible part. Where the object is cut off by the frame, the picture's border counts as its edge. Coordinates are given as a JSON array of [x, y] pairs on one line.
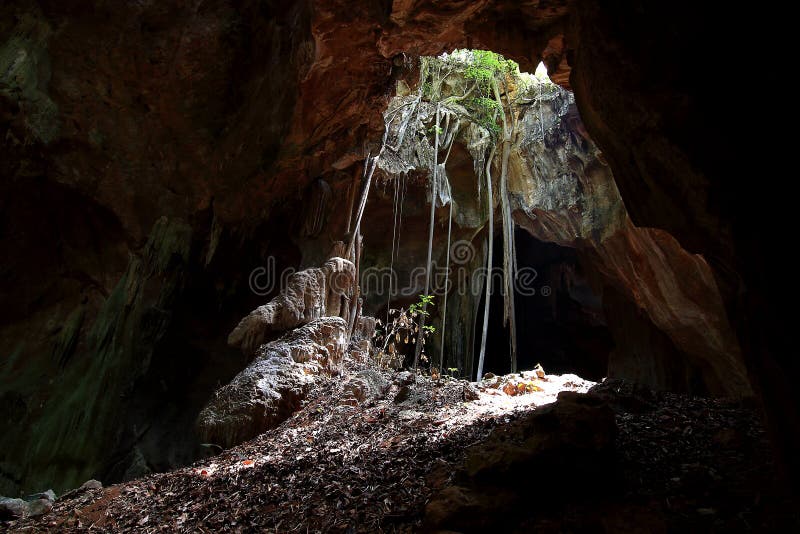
[[446, 409], [494, 402]]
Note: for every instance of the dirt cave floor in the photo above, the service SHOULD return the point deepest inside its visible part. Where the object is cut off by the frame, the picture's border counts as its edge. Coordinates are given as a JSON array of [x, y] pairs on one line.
[[388, 451]]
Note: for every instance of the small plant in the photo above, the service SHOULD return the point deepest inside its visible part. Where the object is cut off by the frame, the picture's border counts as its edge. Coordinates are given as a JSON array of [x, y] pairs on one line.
[[436, 129], [393, 340]]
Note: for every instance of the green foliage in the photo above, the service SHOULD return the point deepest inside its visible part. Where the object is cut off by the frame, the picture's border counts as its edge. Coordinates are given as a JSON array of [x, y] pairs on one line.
[[436, 129], [427, 90], [482, 70], [419, 306], [486, 66], [484, 110]]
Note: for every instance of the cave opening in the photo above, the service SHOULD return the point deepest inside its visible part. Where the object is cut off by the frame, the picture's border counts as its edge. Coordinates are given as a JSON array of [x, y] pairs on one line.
[[560, 320], [488, 146]]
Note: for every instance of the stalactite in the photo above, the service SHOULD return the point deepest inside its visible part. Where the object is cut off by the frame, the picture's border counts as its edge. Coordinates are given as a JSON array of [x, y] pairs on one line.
[[317, 202]]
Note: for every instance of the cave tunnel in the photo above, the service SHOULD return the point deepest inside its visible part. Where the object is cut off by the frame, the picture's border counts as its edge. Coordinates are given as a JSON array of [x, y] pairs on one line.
[[560, 324]]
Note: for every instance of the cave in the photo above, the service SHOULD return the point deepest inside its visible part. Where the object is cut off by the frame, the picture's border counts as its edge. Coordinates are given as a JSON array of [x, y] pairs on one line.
[[561, 326], [224, 227]]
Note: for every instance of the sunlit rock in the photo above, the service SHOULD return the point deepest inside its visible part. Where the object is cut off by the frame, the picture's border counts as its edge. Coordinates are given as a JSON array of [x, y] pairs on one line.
[[275, 384]]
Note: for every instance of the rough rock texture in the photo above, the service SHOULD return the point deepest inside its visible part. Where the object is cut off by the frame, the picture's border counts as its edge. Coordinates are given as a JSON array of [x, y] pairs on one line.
[[33, 506], [366, 386], [11, 508], [308, 295], [274, 385], [567, 195]]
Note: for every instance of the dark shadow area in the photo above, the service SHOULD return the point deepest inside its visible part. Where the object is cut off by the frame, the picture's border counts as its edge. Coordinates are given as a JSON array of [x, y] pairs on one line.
[[560, 325]]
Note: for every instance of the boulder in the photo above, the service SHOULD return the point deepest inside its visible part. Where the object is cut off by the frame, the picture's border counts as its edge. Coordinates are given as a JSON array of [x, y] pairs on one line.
[[366, 386], [91, 485], [11, 509], [276, 382], [38, 507], [33, 505]]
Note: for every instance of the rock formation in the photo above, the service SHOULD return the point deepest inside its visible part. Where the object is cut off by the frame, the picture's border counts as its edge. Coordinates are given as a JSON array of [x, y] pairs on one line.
[[308, 295], [536, 458], [275, 384]]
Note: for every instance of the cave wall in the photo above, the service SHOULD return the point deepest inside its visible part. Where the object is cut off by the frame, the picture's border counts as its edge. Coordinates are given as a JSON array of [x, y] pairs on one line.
[[122, 149], [651, 82]]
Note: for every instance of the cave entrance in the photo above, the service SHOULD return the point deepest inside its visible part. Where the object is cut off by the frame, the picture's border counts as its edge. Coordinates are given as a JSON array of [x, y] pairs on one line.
[[473, 143], [560, 321]]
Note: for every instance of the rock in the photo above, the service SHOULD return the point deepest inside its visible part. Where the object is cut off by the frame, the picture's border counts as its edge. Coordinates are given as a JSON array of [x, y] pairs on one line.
[[470, 393], [411, 415], [33, 505], [405, 378], [308, 295], [48, 495], [275, 384], [38, 507], [558, 435], [361, 343], [539, 371], [91, 485], [402, 394], [136, 465], [624, 396], [11, 509], [367, 385], [365, 328]]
